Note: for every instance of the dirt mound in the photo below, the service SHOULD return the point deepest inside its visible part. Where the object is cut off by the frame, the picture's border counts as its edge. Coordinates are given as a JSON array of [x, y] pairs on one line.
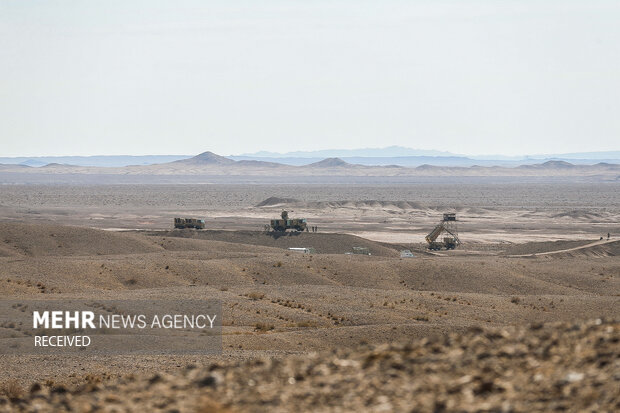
[[274, 200], [563, 367], [52, 240], [365, 204], [323, 243], [578, 214]]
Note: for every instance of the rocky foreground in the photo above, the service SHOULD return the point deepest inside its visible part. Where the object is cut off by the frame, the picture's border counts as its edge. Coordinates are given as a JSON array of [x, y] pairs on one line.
[[556, 367]]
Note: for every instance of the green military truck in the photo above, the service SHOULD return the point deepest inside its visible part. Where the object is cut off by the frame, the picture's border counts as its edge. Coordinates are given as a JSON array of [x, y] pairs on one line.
[[281, 225], [181, 223]]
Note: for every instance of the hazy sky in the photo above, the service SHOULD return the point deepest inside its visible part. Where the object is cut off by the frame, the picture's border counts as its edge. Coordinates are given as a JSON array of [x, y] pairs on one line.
[[181, 77]]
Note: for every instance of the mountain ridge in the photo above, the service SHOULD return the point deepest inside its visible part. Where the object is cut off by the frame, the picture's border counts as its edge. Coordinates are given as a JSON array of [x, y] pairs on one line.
[[393, 155]]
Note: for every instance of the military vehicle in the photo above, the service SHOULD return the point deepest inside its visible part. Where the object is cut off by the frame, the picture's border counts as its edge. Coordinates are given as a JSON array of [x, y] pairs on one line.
[[281, 225], [448, 225], [189, 223]]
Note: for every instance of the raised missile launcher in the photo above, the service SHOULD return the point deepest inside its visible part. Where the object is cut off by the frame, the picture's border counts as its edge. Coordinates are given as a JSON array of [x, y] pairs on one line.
[[281, 225], [448, 225]]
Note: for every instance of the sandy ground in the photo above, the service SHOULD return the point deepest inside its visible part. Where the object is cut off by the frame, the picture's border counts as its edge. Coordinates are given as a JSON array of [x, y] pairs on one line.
[[65, 242]]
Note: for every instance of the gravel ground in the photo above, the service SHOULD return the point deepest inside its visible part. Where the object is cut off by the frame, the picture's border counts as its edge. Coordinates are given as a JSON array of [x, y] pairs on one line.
[[556, 367]]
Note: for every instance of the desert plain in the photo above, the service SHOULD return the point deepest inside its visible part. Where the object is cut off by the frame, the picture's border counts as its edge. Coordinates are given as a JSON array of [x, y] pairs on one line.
[[313, 330]]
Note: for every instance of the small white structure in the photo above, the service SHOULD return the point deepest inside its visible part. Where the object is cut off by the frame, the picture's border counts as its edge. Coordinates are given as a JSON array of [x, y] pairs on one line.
[[361, 251], [305, 250], [406, 254]]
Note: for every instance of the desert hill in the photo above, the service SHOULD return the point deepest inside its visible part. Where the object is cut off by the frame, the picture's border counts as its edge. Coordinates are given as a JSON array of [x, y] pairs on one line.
[[594, 250], [58, 240], [211, 159], [205, 158], [250, 258], [247, 258], [329, 163], [278, 302]]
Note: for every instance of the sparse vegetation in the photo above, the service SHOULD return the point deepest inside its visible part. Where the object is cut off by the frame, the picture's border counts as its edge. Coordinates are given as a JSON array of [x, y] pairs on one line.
[[305, 324], [255, 296], [264, 327], [11, 389], [93, 378]]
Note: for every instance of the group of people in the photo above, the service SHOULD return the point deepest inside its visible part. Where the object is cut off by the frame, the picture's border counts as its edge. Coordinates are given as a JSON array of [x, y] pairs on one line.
[[314, 229]]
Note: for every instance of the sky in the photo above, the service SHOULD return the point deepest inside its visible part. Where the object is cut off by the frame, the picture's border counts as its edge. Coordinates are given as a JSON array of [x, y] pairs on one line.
[[110, 77]]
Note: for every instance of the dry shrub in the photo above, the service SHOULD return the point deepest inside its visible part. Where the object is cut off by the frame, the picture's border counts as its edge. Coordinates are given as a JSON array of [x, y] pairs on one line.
[[11, 389], [263, 327], [93, 378], [515, 300], [256, 296]]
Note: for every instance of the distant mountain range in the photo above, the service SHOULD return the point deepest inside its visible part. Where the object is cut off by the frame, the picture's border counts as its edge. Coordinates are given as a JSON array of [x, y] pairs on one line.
[[100, 160], [404, 152], [210, 163], [389, 156], [209, 167], [401, 156]]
